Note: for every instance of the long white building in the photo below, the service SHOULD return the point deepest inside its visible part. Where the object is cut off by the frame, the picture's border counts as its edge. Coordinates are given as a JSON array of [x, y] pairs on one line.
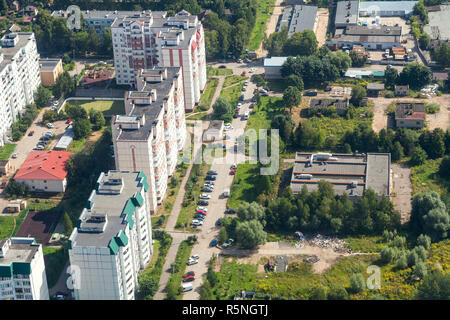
[[153, 130], [19, 77], [148, 40], [113, 240], [22, 270]]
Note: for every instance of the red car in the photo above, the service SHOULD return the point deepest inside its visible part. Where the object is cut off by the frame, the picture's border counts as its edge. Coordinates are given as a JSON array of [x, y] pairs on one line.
[[232, 172], [189, 279], [189, 274], [201, 212], [243, 73], [69, 121]]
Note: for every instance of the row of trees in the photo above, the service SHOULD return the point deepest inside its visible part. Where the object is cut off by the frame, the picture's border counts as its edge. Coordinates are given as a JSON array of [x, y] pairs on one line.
[[416, 75], [441, 54], [53, 36], [300, 43], [83, 125]]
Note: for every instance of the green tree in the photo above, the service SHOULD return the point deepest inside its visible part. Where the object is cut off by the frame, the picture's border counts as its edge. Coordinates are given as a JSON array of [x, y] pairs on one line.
[[357, 60], [308, 137], [291, 97], [444, 168], [390, 77], [42, 96], [421, 11], [358, 93], [357, 283], [81, 128], [206, 291], [250, 234], [319, 293], [397, 152], [435, 286], [441, 54], [402, 262], [415, 75], [419, 156], [3, 7], [50, 116], [75, 112], [223, 236], [387, 255], [68, 226], [275, 42], [222, 107], [285, 126], [337, 292], [251, 211], [424, 241], [424, 41], [96, 118], [148, 286], [420, 270], [301, 43], [296, 81]]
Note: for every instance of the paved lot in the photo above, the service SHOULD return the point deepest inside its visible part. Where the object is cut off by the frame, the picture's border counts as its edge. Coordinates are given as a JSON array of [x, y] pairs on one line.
[[401, 179]]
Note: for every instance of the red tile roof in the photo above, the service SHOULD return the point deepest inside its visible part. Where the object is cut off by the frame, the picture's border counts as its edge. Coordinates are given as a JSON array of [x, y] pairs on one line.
[[44, 165], [416, 115]]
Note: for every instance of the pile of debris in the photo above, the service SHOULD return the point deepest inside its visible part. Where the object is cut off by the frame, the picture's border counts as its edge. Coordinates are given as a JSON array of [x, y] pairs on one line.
[[311, 259], [321, 241]]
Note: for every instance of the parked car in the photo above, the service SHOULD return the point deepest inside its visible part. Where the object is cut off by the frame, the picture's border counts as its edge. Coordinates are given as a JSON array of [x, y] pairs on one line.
[[191, 262], [31, 133], [197, 222], [14, 155], [69, 121], [219, 222], [212, 172], [200, 217], [188, 274], [187, 287], [232, 172], [222, 67], [201, 212], [205, 189], [243, 73], [265, 94], [202, 208], [233, 166], [195, 256], [205, 196], [203, 203], [209, 183], [310, 93], [227, 243], [39, 147], [241, 98], [210, 178], [230, 211], [213, 243], [189, 279], [50, 125]]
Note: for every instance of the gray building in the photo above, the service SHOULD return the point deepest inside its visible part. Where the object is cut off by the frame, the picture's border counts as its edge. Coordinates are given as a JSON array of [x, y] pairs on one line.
[[272, 67], [386, 8], [348, 173], [346, 13], [101, 19], [298, 19], [322, 105], [370, 38], [437, 27], [409, 115]]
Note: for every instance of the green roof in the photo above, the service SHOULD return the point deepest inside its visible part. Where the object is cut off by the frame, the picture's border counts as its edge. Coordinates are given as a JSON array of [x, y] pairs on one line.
[[15, 268], [121, 240], [144, 180], [378, 73], [130, 221], [6, 271], [137, 199], [129, 207], [113, 246]]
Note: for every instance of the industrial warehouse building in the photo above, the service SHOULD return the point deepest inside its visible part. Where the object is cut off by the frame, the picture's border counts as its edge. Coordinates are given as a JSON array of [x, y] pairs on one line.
[[272, 67], [348, 173], [298, 18], [386, 8]]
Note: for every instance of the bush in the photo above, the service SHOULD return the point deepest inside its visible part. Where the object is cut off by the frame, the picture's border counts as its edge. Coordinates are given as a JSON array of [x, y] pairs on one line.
[[402, 262], [16, 189], [337, 293], [424, 241], [357, 283], [318, 293], [388, 255]]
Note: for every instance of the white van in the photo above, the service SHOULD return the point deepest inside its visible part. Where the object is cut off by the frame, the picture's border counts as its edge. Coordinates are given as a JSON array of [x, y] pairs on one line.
[[246, 115], [187, 287]]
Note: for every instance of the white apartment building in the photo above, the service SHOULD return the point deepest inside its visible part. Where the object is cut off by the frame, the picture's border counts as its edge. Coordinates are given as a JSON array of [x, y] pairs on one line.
[[19, 77], [113, 239], [153, 130], [22, 270], [149, 40]]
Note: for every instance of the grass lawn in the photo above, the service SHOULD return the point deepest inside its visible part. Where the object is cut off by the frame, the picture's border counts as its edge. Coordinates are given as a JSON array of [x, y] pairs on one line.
[[233, 79], [6, 151], [232, 94], [197, 116], [55, 260], [207, 95], [76, 145], [261, 116], [183, 254], [263, 13], [365, 243], [107, 107], [426, 178], [245, 185], [217, 71], [187, 212], [7, 224]]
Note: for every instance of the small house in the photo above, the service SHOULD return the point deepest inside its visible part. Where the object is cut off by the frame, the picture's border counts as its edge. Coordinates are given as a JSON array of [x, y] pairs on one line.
[[214, 131], [401, 91], [374, 89], [409, 115], [326, 105]]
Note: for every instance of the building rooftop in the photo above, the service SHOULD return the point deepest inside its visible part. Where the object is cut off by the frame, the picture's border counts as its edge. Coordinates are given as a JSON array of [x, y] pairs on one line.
[[9, 53], [44, 165], [109, 209], [149, 111], [215, 124], [375, 86], [325, 103], [48, 64], [274, 61], [405, 110], [351, 174], [17, 250], [347, 12], [99, 14], [303, 17], [380, 31], [437, 27], [65, 140], [405, 6]]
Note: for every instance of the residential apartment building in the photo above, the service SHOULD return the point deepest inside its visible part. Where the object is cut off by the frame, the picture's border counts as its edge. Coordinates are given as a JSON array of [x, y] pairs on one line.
[[19, 77], [148, 40], [113, 239], [153, 130], [22, 270]]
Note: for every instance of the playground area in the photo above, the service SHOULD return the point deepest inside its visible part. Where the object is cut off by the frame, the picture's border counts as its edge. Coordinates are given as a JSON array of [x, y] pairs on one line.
[[96, 76]]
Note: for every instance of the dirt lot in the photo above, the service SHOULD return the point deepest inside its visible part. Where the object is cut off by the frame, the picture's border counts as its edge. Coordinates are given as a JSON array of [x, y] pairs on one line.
[[271, 26], [401, 180], [322, 24], [438, 120]]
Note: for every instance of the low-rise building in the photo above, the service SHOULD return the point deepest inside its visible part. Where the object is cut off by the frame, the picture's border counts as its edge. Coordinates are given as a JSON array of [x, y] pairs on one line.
[[22, 270], [324, 105], [379, 38], [346, 13], [299, 18], [386, 8], [409, 115], [348, 173], [440, 76], [214, 131], [401, 91], [272, 67], [44, 171], [50, 70], [374, 89], [112, 242]]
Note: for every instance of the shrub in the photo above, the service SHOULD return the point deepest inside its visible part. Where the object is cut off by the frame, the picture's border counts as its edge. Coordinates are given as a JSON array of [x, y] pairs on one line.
[[357, 283]]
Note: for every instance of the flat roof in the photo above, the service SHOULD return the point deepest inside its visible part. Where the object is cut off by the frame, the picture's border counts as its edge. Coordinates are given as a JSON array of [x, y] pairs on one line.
[[405, 6], [406, 110], [375, 86], [111, 204], [19, 250], [10, 52], [48, 64], [348, 173], [437, 27], [347, 12], [303, 18], [274, 61]]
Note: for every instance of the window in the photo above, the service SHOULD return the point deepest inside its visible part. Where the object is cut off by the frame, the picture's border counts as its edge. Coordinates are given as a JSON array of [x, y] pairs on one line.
[[45, 181]]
